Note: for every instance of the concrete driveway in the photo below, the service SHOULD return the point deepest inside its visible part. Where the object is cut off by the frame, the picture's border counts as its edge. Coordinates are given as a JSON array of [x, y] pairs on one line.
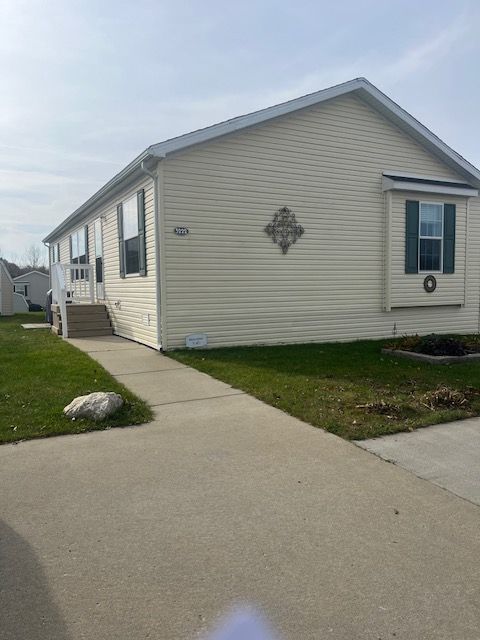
[[159, 531], [446, 454]]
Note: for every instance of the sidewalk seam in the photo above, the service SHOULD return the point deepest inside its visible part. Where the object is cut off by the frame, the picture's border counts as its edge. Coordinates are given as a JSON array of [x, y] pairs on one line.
[[136, 373], [226, 395]]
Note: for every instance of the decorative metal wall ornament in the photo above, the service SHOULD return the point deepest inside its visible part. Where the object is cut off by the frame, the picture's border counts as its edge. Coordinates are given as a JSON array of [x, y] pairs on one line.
[[430, 284], [284, 229]]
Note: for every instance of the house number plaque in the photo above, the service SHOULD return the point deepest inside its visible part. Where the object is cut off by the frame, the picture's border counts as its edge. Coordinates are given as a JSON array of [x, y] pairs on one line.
[[181, 231]]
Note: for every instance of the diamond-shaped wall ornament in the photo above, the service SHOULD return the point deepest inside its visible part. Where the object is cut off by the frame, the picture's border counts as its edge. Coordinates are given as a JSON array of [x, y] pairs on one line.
[[284, 229]]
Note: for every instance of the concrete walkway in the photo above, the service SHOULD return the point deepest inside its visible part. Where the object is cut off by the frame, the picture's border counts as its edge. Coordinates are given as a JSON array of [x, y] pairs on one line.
[[446, 454], [159, 531]]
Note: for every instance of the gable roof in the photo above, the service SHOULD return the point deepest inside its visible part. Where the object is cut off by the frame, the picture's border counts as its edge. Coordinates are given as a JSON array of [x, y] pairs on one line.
[[24, 275], [359, 86]]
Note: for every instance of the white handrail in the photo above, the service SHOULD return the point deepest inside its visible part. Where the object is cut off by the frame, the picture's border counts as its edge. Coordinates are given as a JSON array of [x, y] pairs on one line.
[[79, 282], [71, 283], [59, 295]]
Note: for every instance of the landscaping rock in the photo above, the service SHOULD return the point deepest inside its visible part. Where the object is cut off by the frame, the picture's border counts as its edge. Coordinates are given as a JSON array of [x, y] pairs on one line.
[[95, 406]]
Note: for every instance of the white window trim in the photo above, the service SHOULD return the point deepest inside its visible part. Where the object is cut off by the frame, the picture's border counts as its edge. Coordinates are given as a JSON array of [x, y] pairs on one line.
[[77, 233], [420, 237]]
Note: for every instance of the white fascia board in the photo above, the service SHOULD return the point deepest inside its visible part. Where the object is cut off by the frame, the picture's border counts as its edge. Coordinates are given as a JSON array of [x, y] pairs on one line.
[[359, 86], [419, 131], [389, 184], [364, 89], [242, 122], [103, 193]]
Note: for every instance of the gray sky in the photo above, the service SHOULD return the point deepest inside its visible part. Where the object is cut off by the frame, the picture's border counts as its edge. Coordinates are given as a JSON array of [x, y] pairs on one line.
[[87, 85]]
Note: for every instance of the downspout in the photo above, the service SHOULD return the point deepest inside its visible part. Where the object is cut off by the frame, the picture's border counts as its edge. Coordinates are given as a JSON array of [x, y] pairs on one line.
[[387, 304], [154, 176]]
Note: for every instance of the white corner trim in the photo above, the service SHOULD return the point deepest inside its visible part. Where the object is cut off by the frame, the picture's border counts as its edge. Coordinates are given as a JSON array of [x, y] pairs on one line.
[[388, 252], [389, 184]]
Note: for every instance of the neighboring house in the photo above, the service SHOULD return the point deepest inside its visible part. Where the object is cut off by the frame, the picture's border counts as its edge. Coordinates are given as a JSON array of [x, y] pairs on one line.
[[20, 303], [33, 286], [334, 216], [6, 291]]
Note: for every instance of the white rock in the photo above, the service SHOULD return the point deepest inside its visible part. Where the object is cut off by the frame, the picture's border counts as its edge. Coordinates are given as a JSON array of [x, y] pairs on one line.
[[96, 406]]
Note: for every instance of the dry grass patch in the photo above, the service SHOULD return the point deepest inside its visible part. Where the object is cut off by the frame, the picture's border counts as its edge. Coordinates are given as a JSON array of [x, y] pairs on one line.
[[350, 389]]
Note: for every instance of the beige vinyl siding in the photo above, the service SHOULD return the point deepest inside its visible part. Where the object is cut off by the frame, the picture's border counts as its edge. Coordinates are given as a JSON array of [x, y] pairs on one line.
[[131, 301], [64, 243], [407, 289], [227, 278]]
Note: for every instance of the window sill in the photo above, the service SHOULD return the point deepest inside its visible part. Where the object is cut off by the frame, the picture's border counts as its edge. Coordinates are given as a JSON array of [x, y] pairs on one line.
[[431, 273]]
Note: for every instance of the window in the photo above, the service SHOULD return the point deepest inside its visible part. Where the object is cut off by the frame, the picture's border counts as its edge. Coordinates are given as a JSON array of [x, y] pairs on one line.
[[98, 251], [21, 288], [78, 247], [430, 229], [131, 236], [79, 251], [430, 237]]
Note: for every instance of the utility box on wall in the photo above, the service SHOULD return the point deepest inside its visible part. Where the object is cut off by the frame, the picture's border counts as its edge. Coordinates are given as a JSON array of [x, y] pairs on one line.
[[196, 340]]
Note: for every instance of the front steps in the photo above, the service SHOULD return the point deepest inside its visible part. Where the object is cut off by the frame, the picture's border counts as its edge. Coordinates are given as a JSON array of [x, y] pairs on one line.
[[84, 320]]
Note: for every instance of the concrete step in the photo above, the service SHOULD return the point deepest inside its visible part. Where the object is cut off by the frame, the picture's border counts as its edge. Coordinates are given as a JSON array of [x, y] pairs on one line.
[[85, 309], [85, 320], [89, 324], [85, 317], [84, 333]]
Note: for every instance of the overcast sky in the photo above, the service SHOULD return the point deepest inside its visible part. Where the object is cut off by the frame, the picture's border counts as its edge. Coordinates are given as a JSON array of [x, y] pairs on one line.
[[87, 85]]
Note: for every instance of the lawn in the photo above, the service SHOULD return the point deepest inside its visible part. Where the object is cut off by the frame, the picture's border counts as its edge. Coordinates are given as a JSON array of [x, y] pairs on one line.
[[40, 374], [329, 385]]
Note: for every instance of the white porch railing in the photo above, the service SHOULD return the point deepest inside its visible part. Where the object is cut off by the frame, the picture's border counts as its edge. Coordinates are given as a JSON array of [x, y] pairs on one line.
[[71, 284]]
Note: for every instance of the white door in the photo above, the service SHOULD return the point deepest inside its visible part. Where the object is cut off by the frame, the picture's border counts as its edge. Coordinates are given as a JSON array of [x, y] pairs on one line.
[[99, 259]]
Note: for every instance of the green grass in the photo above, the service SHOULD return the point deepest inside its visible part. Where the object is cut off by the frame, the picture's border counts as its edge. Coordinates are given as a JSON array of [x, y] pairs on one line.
[[40, 374], [323, 384]]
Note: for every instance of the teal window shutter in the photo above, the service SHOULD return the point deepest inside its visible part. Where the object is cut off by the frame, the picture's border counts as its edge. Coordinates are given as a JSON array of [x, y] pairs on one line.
[[449, 216], [142, 250], [121, 242], [411, 236]]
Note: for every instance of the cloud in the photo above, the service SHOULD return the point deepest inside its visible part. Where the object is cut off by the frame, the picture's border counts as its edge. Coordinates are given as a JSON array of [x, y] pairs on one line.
[[87, 86], [421, 57]]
